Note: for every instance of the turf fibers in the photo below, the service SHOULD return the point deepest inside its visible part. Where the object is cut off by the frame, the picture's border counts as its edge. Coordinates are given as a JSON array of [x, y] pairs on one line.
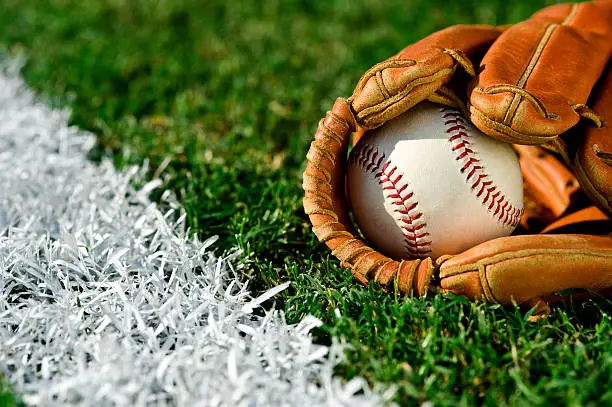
[[222, 99]]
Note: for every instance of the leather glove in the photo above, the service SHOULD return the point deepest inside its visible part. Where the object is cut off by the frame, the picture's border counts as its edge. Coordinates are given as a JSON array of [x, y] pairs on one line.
[[534, 83]]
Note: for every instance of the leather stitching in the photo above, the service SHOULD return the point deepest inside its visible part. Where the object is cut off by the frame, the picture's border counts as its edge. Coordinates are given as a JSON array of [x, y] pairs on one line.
[[511, 112], [330, 133], [533, 61], [516, 101], [513, 135], [378, 263], [462, 60], [539, 106], [352, 256], [538, 51], [381, 85], [394, 63], [396, 192], [365, 114], [333, 235], [584, 111], [320, 149], [484, 283], [571, 15], [481, 183]]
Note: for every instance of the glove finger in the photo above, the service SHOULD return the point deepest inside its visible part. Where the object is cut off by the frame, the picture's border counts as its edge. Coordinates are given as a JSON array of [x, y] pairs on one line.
[[592, 162], [537, 76], [548, 187], [589, 220], [527, 269], [393, 86]]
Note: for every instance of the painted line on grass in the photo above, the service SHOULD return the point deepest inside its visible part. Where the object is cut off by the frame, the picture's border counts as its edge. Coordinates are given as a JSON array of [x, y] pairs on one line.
[[106, 300]]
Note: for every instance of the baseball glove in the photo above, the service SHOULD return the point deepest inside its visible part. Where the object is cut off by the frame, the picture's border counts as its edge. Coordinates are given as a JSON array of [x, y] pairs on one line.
[[544, 85]]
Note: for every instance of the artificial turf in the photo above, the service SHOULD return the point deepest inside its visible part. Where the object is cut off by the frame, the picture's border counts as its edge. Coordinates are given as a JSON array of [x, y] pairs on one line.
[[7, 397], [222, 98]]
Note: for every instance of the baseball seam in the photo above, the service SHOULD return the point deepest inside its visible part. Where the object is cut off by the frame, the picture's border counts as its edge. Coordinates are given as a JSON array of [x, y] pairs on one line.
[[481, 183], [396, 192]]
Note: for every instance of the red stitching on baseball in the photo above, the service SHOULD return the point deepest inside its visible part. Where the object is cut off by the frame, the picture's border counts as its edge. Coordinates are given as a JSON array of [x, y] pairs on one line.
[[416, 242], [499, 205]]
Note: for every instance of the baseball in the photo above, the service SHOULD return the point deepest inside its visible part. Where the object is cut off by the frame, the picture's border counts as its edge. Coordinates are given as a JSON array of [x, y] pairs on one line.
[[429, 183]]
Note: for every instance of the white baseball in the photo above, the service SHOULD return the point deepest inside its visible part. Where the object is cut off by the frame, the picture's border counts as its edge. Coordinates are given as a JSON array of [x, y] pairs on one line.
[[429, 183]]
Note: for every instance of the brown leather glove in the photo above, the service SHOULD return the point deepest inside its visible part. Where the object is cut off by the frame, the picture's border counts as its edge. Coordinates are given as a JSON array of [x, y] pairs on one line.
[[534, 82]]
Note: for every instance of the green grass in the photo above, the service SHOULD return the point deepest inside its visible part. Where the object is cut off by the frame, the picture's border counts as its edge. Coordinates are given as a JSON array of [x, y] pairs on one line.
[[230, 93], [7, 397]]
